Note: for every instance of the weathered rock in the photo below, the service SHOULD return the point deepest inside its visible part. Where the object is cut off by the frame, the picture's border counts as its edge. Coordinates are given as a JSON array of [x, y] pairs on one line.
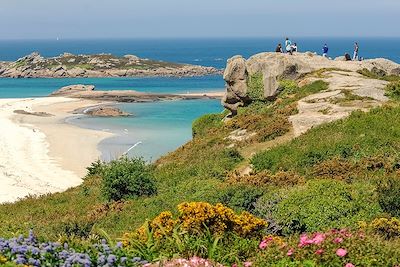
[[276, 66], [36, 113], [76, 72], [106, 111], [395, 71], [235, 76], [72, 89]]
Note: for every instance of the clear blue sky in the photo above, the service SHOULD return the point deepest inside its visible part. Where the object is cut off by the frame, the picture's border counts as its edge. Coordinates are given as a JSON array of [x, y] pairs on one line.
[[20, 19]]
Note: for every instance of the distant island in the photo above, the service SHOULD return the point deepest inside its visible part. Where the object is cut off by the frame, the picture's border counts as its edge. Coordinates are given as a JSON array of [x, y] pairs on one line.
[[99, 65]]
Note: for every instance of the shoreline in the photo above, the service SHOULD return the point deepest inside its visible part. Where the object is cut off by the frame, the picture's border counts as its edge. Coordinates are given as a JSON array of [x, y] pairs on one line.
[[43, 154], [42, 150]]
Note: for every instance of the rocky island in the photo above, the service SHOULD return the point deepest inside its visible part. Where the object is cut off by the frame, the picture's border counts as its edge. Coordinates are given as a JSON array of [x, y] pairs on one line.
[[101, 65], [82, 91]]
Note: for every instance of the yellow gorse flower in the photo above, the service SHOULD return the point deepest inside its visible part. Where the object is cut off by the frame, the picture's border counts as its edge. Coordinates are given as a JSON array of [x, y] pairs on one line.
[[3, 259], [198, 218]]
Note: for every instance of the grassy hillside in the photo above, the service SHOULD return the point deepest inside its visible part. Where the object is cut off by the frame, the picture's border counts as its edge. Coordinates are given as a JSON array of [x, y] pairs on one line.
[[342, 175]]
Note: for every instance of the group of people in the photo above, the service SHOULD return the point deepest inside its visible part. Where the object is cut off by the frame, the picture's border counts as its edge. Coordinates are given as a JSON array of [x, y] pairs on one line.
[[290, 48]]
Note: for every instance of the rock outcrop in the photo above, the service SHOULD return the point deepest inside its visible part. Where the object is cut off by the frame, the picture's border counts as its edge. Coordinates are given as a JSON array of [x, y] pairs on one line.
[[73, 89], [101, 65], [89, 92], [106, 111], [273, 67]]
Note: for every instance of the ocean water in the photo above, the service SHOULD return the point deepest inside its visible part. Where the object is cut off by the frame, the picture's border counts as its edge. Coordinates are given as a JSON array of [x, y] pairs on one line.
[[20, 88], [163, 126], [155, 128]]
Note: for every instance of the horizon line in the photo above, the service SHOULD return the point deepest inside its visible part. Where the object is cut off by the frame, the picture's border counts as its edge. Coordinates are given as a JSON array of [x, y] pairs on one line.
[[193, 38]]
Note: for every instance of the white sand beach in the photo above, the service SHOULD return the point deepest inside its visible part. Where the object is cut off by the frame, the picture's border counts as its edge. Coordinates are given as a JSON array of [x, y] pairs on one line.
[[40, 154]]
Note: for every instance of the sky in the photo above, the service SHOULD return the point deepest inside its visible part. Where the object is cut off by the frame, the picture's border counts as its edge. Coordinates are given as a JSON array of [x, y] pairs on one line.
[[84, 19]]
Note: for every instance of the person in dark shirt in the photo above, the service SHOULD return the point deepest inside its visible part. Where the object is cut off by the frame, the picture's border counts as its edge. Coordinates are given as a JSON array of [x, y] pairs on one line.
[[325, 50], [279, 49]]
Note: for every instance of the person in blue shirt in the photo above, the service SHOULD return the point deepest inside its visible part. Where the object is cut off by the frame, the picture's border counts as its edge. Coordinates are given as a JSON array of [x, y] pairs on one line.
[[325, 50], [288, 46]]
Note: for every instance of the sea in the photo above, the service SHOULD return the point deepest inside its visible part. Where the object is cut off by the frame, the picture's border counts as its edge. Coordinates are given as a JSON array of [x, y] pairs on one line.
[[155, 129]]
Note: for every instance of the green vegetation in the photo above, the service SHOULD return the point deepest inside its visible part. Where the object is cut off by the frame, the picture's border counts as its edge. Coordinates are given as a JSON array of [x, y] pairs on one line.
[[379, 74], [255, 84], [206, 123], [393, 90], [125, 179], [338, 175], [321, 205]]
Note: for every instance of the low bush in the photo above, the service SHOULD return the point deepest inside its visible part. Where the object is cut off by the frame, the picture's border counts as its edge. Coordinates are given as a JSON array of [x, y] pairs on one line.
[[127, 178], [322, 204], [389, 195], [393, 90], [240, 197], [198, 218], [386, 227], [266, 178], [331, 248], [30, 251]]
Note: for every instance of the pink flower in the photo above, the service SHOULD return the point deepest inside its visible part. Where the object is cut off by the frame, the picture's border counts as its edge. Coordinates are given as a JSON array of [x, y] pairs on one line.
[[247, 264], [263, 244], [338, 240], [349, 265], [319, 251], [290, 252], [304, 241], [234, 265], [318, 238], [341, 252]]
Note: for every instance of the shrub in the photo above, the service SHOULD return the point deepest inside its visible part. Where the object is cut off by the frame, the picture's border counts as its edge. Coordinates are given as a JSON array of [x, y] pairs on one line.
[[388, 228], [389, 195], [266, 178], [331, 248], [127, 178], [393, 90], [204, 124], [255, 86], [336, 168], [324, 204], [240, 197], [95, 168], [199, 219]]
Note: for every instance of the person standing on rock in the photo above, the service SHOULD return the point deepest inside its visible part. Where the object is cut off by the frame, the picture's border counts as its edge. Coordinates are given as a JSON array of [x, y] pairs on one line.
[[356, 48], [325, 50], [288, 46], [278, 49]]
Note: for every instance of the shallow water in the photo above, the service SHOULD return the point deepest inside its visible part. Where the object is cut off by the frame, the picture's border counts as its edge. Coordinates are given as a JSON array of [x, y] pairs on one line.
[[157, 128]]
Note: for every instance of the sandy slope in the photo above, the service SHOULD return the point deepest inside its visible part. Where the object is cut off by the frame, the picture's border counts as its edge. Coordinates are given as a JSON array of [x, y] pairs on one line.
[[43, 154]]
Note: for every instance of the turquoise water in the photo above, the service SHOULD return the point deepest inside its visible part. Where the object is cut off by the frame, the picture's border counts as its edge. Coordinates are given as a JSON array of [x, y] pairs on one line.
[[160, 127], [164, 126], [20, 88]]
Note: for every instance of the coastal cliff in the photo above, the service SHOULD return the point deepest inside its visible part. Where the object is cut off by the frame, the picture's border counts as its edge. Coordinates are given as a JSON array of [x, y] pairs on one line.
[[260, 77], [101, 65]]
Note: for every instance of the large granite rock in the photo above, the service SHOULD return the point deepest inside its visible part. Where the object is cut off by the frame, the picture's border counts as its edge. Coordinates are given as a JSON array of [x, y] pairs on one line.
[[73, 89], [276, 66], [235, 76], [106, 111]]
